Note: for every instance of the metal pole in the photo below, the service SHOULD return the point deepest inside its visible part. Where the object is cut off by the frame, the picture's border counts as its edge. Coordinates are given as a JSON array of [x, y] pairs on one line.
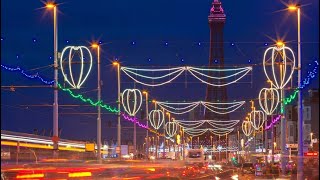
[[147, 115], [119, 125], [283, 127], [238, 146], [55, 94], [300, 107], [164, 136], [99, 111], [266, 141]]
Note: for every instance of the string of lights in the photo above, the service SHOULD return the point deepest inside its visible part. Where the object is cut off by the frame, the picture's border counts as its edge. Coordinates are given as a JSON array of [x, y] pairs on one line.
[[130, 72], [273, 122], [216, 107], [30, 76]]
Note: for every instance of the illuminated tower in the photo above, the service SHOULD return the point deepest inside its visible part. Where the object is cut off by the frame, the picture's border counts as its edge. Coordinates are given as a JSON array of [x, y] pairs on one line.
[[217, 20]]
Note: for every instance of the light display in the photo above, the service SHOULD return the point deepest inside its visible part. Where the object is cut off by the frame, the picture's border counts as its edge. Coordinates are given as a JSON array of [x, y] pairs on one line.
[[171, 128], [216, 107], [175, 72], [285, 60], [269, 99], [247, 128], [71, 82], [257, 119], [126, 102], [197, 71], [88, 100], [30, 76], [273, 122], [198, 132], [156, 118], [216, 124]]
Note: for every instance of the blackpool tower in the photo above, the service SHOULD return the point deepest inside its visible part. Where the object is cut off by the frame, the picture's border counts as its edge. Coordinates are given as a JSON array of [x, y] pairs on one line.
[[216, 20]]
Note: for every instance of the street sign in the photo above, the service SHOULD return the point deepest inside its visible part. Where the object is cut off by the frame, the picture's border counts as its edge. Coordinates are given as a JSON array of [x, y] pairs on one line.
[[89, 147], [292, 145]]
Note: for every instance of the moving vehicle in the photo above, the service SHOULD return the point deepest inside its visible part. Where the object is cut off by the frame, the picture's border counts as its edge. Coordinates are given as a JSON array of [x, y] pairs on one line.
[[195, 156], [247, 168]]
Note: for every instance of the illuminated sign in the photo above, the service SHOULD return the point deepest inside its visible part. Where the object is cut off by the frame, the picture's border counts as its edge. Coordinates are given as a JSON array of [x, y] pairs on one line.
[[310, 154], [89, 147]]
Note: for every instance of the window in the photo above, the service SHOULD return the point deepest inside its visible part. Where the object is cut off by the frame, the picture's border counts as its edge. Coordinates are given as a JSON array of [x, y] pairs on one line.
[[289, 114], [291, 130], [307, 113]]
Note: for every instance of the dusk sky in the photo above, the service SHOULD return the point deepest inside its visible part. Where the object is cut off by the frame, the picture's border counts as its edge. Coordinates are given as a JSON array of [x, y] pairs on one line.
[[136, 33]]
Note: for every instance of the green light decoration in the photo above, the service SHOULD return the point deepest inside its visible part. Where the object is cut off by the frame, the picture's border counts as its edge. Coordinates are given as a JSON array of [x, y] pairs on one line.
[[86, 100]]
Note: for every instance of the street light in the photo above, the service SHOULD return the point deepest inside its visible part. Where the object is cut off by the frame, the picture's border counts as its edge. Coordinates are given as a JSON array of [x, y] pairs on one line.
[[96, 46], [115, 63], [55, 86], [147, 113], [300, 105], [311, 139]]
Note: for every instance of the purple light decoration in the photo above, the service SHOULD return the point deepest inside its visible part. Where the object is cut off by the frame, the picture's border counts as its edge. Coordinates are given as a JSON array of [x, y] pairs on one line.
[[134, 120], [232, 44], [199, 44], [274, 121]]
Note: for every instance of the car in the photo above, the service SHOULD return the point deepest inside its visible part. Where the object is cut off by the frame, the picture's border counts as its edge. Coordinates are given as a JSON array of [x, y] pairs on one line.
[[247, 168]]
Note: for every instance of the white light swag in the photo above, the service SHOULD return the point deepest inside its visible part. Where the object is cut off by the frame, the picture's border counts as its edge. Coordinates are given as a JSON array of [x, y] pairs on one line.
[[219, 108], [70, 58], [198, 132], [216, 124], [169, 74], [137, 101]]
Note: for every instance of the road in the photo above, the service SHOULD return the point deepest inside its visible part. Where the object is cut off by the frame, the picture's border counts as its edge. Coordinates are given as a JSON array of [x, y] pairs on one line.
[[130, 169]]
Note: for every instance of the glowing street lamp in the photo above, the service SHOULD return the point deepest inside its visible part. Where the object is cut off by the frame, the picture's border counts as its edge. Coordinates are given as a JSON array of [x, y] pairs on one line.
[[96, 46], [115, 63], [53, 6]]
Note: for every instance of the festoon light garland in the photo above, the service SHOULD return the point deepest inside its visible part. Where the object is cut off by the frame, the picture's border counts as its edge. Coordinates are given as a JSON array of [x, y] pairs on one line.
[[216, 107], [81, 80], [175, 72]]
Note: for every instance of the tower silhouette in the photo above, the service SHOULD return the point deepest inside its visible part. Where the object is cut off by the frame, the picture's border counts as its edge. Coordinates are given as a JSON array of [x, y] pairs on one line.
[[216, 20]]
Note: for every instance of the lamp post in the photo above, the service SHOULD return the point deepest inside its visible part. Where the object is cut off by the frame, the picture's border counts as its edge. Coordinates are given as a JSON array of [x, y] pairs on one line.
[[96, 46], [147, 113], [300, 105], [55, 86], [311, 144], [164, 137], [115, 63]]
